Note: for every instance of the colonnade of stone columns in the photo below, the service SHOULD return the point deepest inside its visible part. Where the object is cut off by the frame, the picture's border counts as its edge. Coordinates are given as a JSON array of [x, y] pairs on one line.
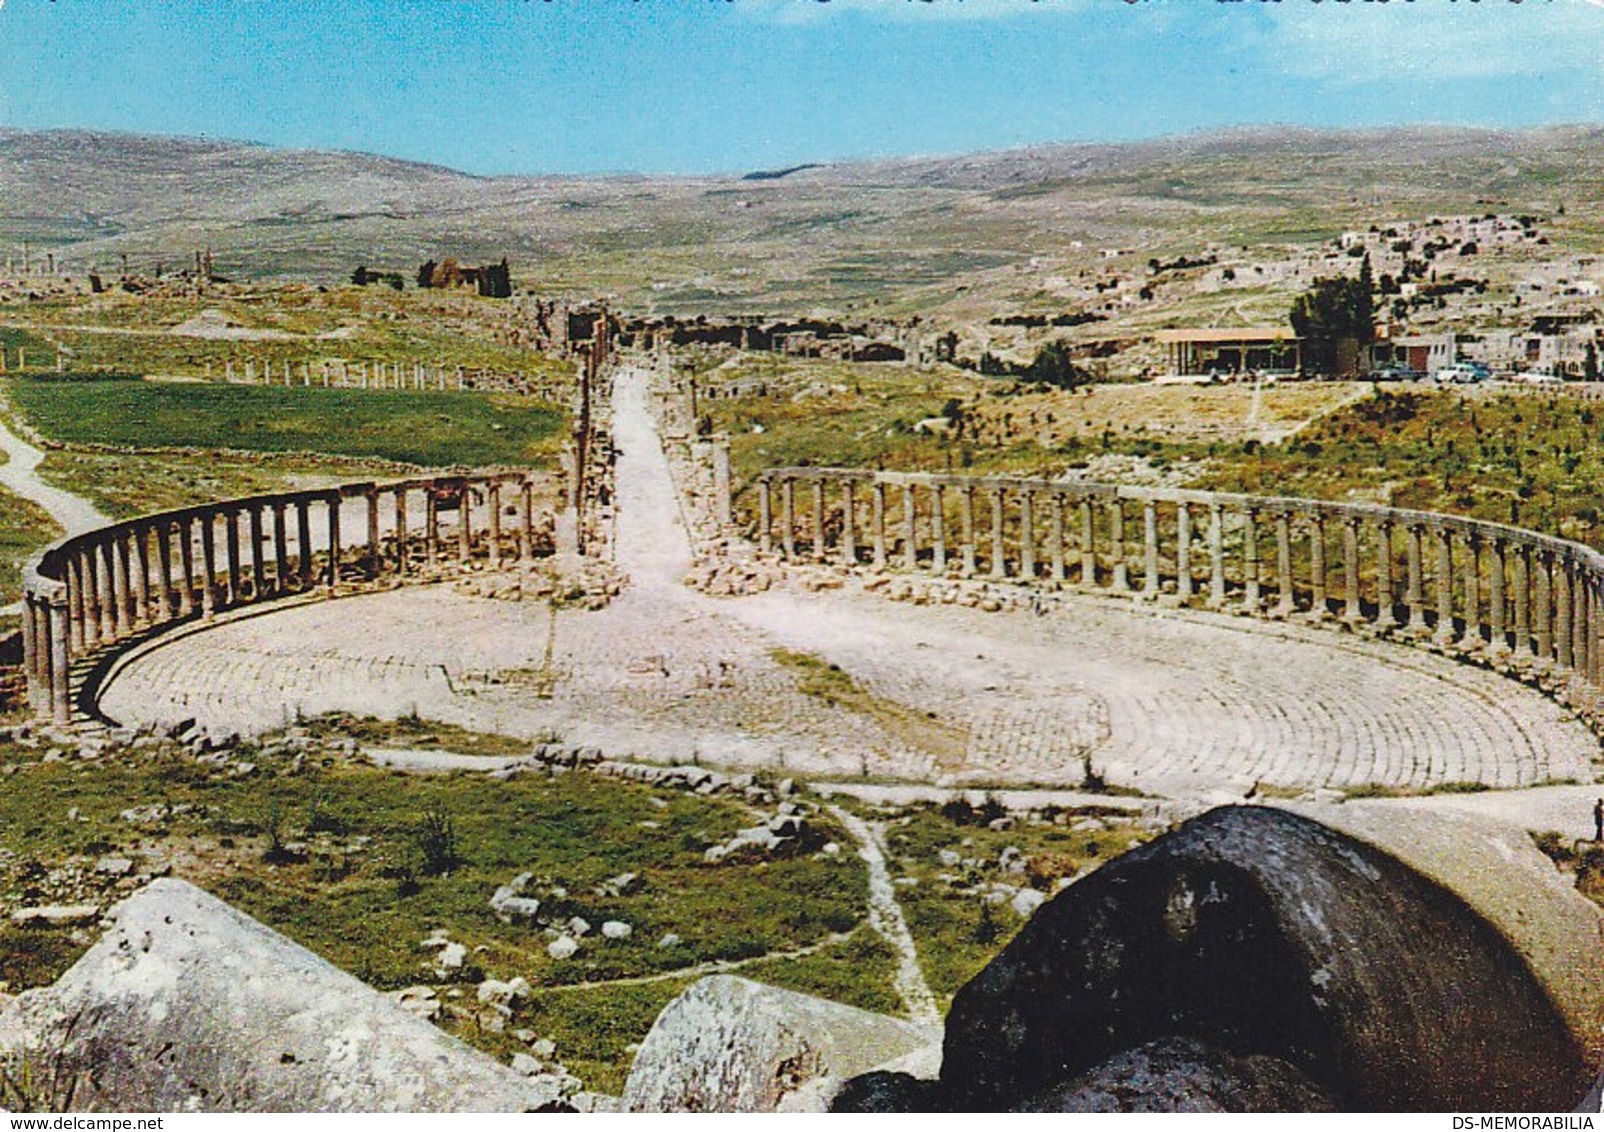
[[1456, 582], [98, 589]]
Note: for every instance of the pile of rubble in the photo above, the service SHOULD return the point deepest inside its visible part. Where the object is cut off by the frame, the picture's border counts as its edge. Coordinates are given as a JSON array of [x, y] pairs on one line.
[[785, 833], [592, 585], [722, 576], [558, 758]]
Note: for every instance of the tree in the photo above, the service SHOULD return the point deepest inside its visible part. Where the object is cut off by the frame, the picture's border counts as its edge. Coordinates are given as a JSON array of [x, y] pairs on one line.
[[1590, 363], [1054, 366], [360, 275], [426, 275], [1335, 318]]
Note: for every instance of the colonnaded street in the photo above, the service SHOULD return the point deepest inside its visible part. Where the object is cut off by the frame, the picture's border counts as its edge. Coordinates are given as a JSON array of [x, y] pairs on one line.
[[1168, 702]]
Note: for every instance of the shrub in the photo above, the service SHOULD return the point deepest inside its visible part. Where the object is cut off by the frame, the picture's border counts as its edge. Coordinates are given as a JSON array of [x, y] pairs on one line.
[[436, 838]]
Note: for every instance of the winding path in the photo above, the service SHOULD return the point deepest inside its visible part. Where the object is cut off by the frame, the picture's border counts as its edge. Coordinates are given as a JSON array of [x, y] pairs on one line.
[[885, 917], [20, 474]]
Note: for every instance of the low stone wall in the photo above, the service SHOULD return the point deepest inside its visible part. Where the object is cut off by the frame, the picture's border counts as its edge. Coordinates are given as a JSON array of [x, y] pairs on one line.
[[1525, 602], [88, 595]]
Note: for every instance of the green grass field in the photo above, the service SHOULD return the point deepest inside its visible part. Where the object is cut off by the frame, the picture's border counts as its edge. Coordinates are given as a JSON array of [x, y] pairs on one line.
[[432, 429]]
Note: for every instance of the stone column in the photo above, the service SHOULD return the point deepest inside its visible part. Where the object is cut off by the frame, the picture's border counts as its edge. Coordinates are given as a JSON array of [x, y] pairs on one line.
[[258, 559], [465, 524], [122, 583], [525, 543], [186, 565], [818, 519], [141, 570], [765, 515], [526, 523], [303, 541], [75, 600], [1027, 533], [910, 514], [1088, 542], [60, 701], [1523, 599], [1351, 611], [966, 520], [1562, 612], [849, 521], [164, 572], [1116, 539], [1543, 604], [1415, 594], [492, 497], [788, 518], [1384, 594], [1055, 535], [431, 526], [877, 521], [938, 530], [331, 503], [107, 587], [236, 594], [1183, 551], [1318, 607], [1495, 597], [281, 550], [33, 666], [1593, 627], [1444, 582], [999, 549], [1150, 581], [1575, 579], [1216, 556], [1285, 604], [208, 522], [1472, 546], [1250, 559]]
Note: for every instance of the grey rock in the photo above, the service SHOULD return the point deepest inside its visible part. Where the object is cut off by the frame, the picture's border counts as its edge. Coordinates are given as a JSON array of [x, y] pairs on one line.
[[187, 1004], [731, 1045], [57, 915], [1250, 928], [1183, 1075]]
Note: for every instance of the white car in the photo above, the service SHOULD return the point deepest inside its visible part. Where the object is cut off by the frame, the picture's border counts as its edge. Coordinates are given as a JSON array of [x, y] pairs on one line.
[[1457, 375]]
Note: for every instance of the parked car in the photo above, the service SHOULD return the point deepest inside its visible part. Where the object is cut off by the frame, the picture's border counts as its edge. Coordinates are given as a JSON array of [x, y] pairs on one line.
[[1461, 373], [1540, 377], [1396, 373]]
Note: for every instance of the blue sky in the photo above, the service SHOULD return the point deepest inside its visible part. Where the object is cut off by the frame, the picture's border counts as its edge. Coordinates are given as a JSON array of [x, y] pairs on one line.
[[684, 86]]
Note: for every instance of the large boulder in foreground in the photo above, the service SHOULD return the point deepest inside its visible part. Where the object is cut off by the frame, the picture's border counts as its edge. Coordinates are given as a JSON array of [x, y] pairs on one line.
[[731, 1045], [186, 1003], [1259, 933]]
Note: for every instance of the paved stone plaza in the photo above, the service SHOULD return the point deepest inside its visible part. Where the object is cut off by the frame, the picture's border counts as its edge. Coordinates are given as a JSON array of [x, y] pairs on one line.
[[1163, 701]]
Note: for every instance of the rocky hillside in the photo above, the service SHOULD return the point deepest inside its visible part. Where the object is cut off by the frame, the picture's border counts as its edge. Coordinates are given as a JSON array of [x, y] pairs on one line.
[[899, 235]]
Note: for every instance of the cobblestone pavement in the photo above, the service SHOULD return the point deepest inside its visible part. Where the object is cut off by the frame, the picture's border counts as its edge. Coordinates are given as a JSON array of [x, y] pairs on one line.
[[1167, 702]]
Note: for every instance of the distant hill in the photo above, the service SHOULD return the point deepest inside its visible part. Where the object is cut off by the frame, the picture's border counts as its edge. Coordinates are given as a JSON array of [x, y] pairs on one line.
[[898, 235]]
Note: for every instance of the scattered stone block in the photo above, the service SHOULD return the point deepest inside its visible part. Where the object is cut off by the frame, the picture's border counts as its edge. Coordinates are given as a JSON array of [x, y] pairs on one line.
[[731, 1045]]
